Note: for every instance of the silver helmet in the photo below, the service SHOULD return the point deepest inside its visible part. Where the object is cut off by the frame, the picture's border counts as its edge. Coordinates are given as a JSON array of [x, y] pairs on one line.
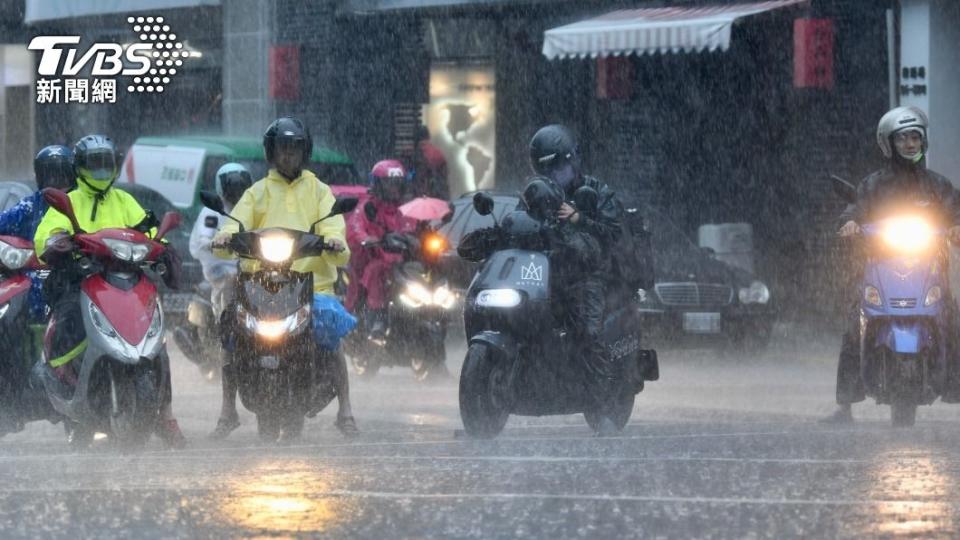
[[899, 119]]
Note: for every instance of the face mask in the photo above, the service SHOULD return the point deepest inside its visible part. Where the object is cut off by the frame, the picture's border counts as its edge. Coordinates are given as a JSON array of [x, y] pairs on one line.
[[564, 176]]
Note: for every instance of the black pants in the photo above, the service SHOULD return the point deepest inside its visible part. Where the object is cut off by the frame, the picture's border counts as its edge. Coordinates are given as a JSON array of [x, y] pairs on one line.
[[586, 302]]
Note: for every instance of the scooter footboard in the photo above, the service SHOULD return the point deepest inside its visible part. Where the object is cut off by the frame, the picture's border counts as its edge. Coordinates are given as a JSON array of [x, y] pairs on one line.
[[905, 336]]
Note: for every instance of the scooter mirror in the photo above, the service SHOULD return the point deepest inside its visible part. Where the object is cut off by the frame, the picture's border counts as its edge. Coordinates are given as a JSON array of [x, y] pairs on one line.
[[483, 204], [212, 201], [171, 220], [344, 206], [59, 201], [843, 189]]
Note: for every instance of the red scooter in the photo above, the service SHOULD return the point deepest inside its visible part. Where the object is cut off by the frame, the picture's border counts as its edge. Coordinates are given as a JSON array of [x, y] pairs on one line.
[[22, 398], [119, 385]]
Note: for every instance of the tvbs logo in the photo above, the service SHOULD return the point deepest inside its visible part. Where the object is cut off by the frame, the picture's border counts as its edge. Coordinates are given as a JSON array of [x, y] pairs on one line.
[[106, 58], [151, 63]]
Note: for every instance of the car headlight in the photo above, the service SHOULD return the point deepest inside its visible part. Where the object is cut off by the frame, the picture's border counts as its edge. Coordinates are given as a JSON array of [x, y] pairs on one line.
[[14, 258], [276, 248], [274, 329], [501, 298], [933, 296], [872, 296], [127, 251], [907, 234], [756, 293]]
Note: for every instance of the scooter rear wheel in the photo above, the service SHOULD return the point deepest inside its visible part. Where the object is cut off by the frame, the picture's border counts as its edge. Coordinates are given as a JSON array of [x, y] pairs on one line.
[[482, 413]]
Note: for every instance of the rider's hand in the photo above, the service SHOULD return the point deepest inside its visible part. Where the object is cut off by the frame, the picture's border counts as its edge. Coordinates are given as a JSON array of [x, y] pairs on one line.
[[849, 228], [335, 244], [220, 241], [954, 234], [568, 212]]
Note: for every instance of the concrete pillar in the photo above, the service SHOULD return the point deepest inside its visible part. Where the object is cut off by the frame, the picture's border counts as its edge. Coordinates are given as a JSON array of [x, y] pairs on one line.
[[248, 27], [929, 76]]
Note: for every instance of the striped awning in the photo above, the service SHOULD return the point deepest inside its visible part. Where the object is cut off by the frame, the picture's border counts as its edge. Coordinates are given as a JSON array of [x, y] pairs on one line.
[[650, 30]]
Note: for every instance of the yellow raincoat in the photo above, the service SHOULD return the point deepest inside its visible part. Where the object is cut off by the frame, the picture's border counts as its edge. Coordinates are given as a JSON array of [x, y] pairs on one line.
[[275, 202]]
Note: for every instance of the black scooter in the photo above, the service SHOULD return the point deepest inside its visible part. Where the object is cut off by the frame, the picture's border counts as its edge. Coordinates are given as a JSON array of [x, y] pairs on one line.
[[519, 360], [282, 374]]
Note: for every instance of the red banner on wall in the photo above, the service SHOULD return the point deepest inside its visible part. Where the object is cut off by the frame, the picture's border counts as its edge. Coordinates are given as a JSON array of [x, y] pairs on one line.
[[614, 77], [813, 53], [284, 68]]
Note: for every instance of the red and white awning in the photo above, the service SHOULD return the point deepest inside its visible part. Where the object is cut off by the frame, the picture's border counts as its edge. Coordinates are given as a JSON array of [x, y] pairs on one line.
[[650, 30]]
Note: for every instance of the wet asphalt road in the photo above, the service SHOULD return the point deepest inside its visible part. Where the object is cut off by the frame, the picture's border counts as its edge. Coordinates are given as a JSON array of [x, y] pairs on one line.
[[719, 448]]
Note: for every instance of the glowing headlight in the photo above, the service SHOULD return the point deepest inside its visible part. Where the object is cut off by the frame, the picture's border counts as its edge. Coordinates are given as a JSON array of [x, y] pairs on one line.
[[933, 296], [756, 293], [872, 296], [14, 258], [416, 295], [276, 248], [907, 234], [273, 329], [443, 297], [127, 251], [502, 298]]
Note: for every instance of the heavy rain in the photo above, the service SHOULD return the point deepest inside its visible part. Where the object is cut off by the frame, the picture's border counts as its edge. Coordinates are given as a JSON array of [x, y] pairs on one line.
[[479, 269]]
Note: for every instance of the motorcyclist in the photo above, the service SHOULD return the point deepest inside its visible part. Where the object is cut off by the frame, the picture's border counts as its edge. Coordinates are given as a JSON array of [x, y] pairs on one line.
[[370, 267], [97, 206], [52, 167], [232, 180], [902, 137], [555, 154], [291, 196]]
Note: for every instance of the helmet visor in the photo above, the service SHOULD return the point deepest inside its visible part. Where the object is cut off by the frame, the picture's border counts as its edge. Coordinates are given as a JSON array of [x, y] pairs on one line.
[[101, 165]]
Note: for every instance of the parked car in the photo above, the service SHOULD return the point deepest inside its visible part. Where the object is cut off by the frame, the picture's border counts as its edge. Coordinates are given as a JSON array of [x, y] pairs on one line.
[[696, 297], [180, 167]]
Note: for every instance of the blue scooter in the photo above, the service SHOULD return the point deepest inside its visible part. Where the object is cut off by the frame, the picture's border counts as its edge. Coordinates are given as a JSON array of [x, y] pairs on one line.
[[904, 314]]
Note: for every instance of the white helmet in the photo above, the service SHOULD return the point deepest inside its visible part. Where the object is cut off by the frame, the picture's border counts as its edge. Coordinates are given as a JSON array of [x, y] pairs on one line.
[[899, 119]]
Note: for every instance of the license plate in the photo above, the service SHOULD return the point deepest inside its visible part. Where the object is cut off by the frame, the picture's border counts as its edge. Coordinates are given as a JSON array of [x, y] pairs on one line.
[[269, 362], [701, 323]]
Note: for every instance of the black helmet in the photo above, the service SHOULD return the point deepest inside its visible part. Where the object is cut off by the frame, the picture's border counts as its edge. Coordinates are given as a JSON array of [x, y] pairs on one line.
[[96, 161], [284, 131], [542, 198], [552, 147], [53, 167]]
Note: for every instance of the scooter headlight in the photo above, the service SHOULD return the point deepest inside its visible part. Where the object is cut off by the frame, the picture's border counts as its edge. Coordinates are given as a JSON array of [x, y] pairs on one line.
[[156, 324], [933, 295], [756, 293], [416, 295], [444, 297], [499, 298], [276, 328], [14, 258], [127, 251], [907, 234], [872, 296], [276, 248]]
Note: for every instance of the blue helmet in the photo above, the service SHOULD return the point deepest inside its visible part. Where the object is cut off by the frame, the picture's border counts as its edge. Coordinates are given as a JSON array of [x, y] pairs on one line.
[[232, 180], [53, 167]]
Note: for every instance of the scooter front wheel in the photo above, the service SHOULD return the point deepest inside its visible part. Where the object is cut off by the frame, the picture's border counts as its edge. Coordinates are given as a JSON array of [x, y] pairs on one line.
[[903, 414], [619, 413], [483, 415]]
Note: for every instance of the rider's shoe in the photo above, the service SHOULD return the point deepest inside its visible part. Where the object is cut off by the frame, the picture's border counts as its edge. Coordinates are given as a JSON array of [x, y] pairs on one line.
[[347, 426], [225, 426], [169, 432], [843, 415]]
